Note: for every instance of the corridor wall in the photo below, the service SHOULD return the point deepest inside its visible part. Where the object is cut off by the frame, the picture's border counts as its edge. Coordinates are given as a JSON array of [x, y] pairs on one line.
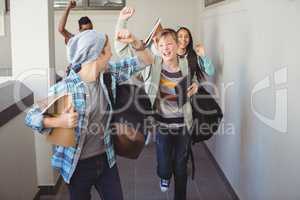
[[173, 13], [255, 45]]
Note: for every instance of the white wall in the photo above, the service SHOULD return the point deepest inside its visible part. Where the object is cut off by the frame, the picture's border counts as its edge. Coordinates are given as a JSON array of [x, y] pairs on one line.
[[33, 61], [248, 41], [5, 45], [18, 163], [173, 13]]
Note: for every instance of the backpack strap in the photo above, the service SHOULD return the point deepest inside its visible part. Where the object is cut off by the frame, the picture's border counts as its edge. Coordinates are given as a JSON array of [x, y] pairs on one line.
[[191, 156], [108, 83]]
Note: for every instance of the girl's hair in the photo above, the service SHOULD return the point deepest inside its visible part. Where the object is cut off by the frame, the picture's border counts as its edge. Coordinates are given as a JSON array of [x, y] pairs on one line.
[[192, 57]]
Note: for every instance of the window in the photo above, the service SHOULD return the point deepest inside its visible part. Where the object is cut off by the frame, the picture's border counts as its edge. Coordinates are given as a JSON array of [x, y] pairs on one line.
[[211, 2], [92, 4]]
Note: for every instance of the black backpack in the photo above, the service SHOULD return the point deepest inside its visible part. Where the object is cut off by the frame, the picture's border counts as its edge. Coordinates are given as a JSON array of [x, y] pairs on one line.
[[207, 116], [129, 108]]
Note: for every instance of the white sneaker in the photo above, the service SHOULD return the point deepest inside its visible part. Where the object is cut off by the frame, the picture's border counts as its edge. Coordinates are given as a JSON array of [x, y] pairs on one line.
[[164, 185]]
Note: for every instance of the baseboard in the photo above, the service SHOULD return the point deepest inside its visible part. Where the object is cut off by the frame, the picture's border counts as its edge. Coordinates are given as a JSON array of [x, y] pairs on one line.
[[228, 186], [49, 190]]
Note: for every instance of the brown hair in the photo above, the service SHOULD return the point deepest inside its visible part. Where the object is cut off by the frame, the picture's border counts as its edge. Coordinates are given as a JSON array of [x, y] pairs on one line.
[[167, 32]]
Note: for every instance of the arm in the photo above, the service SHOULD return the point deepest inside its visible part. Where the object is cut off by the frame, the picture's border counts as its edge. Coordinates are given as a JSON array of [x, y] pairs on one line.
[[44, 124], [204, 62], [62, 23], [123, 50], [124, 36]]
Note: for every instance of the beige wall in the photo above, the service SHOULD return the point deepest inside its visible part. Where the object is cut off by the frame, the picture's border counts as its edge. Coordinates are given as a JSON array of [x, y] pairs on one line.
[[173, 13], [18, 163], [250, 40]]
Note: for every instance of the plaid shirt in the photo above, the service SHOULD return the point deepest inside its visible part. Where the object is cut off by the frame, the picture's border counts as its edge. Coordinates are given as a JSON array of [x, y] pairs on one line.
[[65, 159]]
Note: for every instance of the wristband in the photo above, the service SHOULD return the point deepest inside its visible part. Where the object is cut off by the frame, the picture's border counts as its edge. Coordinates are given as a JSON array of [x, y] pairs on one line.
[[141, 48]]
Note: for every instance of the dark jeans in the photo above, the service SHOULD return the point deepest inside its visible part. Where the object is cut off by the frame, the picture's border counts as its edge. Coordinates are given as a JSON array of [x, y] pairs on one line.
[[172, 156], [95, 171]]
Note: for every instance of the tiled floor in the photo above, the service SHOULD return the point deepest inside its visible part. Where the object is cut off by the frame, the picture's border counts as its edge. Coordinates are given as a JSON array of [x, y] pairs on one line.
[[140, 182]]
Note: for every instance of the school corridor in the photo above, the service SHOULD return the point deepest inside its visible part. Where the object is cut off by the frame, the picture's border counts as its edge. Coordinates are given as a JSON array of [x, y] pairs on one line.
[[139, 180], [254, 46]]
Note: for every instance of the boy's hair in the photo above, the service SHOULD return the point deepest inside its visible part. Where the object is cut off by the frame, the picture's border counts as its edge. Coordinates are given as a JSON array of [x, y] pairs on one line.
[[83, 21], [167, 32]]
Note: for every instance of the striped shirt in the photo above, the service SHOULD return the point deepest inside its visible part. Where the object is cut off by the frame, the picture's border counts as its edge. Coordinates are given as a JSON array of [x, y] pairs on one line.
[[169, 113]]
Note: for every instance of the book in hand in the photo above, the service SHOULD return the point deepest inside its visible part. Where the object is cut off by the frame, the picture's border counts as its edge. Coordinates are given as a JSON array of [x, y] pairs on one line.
[[53, 107], [154, 32]]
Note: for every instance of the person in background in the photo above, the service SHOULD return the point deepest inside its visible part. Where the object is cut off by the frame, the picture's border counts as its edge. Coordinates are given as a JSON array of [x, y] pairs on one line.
[[84, 22], [92, 161], [196, 59]]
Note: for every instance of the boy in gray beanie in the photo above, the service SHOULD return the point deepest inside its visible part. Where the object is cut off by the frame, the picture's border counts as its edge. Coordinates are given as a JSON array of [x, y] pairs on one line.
[[92, 161]]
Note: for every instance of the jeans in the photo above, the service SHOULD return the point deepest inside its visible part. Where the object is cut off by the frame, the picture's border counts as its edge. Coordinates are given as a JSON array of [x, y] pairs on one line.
[[172, 155], [95, 171]]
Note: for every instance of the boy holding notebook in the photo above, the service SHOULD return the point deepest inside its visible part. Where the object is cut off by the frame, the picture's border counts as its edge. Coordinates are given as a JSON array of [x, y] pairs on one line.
[[92, 161]]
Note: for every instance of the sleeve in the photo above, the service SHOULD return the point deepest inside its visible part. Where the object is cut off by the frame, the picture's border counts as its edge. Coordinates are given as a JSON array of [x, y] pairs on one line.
[[122, 50], [125, 68], [206, 65], [34, 118]]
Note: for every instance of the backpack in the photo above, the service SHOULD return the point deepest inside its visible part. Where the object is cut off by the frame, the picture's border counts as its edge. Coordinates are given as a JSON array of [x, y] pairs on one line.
[[130, 106], [207, 116]]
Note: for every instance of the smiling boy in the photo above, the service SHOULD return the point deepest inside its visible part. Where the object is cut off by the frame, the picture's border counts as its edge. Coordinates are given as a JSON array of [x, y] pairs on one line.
[[92, 161]]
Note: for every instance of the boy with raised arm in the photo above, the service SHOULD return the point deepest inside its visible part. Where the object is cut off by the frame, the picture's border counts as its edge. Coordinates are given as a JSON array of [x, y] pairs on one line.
[[174, 121], [92, 161]]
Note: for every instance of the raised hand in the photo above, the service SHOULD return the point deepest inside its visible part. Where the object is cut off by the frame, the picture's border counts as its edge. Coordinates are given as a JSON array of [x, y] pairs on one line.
[[125, 36], [200, 50], [71, 4], [126, 13]]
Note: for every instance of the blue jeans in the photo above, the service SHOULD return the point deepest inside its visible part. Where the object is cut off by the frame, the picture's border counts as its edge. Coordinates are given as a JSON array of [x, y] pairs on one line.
[[172, 155], [95, 171]]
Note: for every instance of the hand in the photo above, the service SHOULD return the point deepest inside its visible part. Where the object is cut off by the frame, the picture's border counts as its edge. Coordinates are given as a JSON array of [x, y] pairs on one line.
[[71, 4], [192, 89], [125, 36], [68, 119], [126, 13], [200, 50]]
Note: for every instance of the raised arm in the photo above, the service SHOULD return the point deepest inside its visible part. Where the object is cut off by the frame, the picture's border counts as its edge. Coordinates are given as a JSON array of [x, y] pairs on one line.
[[125, 37], [122, 49], [204, 62], [63, 20]]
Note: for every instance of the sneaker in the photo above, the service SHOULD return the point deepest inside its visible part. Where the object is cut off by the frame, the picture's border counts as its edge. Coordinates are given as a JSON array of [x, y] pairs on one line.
[[164, 185]]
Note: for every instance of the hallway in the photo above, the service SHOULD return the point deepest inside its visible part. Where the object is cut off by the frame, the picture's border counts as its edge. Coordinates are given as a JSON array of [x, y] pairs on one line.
[[140, 182], [254, 46]]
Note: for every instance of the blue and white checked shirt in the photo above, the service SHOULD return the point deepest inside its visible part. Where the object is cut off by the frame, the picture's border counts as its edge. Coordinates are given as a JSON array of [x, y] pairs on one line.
[[65, 159]]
